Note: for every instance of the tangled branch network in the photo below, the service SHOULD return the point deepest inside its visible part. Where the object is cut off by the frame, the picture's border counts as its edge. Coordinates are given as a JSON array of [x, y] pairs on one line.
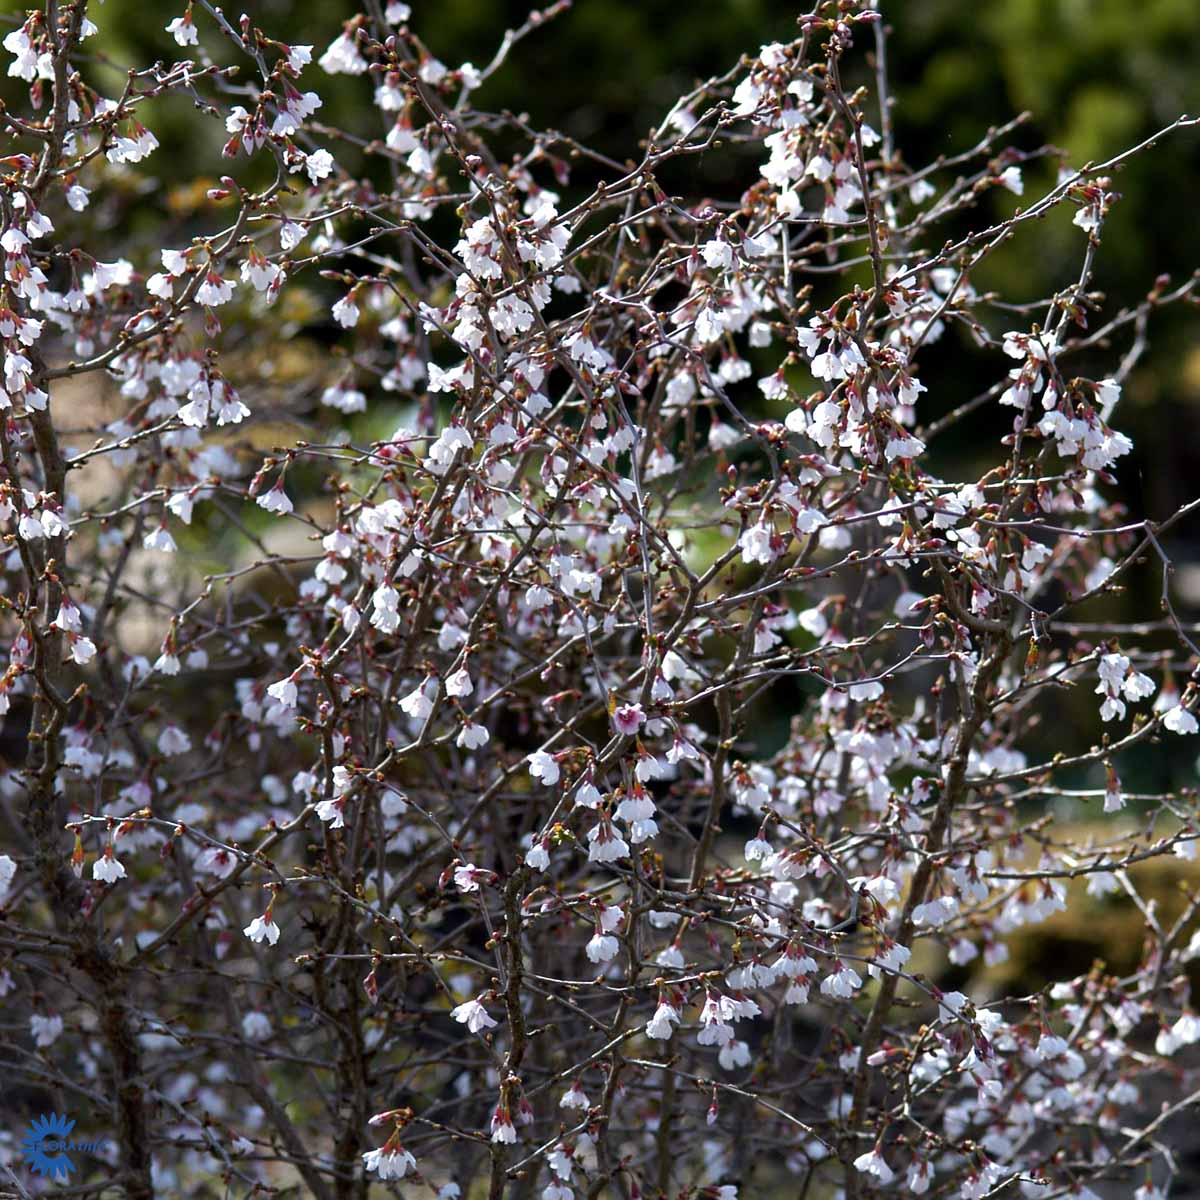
[[395, 797]]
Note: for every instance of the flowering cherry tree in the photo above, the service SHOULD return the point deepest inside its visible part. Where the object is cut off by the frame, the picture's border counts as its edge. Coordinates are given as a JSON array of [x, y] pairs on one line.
[[391, 802]]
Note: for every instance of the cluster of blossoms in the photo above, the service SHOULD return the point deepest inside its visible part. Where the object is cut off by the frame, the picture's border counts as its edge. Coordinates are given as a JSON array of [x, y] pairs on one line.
[[401, 740]]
